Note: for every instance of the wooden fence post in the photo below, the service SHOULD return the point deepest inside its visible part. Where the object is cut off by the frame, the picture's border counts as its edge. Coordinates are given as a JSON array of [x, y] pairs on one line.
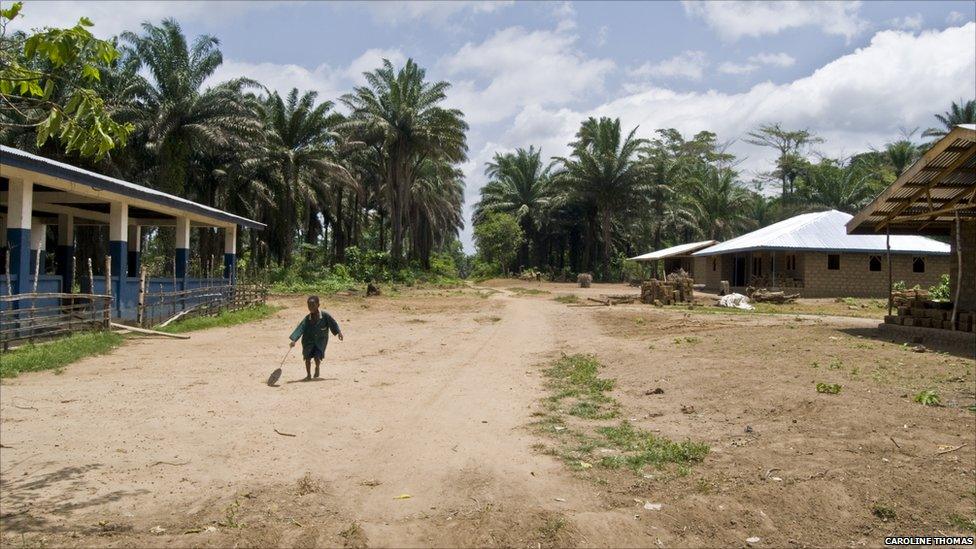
[[142, 297], [108, 290]]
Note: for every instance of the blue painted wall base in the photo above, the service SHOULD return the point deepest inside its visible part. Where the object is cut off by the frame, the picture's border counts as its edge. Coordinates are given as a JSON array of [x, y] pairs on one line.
[[230, 267], [66, 266], [182, 261], [118, 249]]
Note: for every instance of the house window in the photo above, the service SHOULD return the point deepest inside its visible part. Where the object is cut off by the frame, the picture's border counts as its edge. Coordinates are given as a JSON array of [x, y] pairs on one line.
[[874, 264], [791, 263], [714, 263], [918, 264], [833, 262], [757, 266]]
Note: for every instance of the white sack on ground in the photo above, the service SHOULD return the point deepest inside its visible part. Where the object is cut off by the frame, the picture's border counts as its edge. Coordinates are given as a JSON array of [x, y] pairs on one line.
[[737, 301]]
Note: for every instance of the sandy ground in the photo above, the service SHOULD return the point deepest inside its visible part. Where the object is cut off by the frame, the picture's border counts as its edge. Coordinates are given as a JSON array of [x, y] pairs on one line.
[[431, 396]]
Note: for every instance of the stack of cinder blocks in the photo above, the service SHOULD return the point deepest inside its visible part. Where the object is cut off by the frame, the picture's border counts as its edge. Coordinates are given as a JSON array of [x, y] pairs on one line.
[[915, 309]]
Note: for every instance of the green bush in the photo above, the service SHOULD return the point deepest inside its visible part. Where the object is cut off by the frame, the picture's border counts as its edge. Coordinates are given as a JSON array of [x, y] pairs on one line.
[[940, 292]]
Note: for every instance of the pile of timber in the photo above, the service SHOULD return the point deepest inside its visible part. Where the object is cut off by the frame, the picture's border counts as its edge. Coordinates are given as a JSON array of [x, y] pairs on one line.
[[677, 287], [763, 295]]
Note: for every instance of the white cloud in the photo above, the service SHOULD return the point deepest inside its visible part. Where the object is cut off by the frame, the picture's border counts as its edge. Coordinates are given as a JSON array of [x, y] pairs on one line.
[[909, 22], [438, 12], [955, 17], [370, 60], [729, 67], [859, 100], [111, 18], [756, 61], [330, 82], [516, 67], [735, 19], [774, 59], [687, 64]]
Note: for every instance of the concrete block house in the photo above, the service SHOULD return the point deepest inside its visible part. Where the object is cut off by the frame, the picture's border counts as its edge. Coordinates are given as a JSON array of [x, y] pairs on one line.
[[813, 255]]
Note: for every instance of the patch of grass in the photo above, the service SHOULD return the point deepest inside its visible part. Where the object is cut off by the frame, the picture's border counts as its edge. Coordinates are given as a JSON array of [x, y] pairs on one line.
[[928, 397], [227, 318], [962, 522], [828, 388], [528, 291], [308, 485], [883, 512], [644, 448], [568, 298], [576, 389], [58, 353], [550, 529], [354, 536], [835, 364]]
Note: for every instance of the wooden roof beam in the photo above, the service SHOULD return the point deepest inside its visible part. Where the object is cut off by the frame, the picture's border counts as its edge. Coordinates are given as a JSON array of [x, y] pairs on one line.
[[959, 161]]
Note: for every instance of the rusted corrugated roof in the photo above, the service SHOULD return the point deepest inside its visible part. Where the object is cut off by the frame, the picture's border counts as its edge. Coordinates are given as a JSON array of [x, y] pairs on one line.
[[926, 198]]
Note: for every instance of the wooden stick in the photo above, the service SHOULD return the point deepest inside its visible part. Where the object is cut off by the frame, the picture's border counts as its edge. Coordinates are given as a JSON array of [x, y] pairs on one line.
[[953, 449], [147, 331], [955, 301], [142, 297]]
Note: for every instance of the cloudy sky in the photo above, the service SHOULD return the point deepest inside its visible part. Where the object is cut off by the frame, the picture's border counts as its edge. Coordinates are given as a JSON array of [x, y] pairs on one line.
[[856, 73]]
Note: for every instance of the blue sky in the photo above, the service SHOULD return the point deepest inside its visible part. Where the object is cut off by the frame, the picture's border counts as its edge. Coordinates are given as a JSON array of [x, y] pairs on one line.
[[527, 73]]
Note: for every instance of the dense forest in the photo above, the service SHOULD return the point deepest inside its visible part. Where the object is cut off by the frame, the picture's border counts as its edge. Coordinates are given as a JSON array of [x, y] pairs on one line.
[[368, 184]]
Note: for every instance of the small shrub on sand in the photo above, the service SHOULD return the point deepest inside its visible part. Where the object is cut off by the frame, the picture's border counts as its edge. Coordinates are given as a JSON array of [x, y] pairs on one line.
[[928, 397], [883, 512], [568, 298], [828, 388]]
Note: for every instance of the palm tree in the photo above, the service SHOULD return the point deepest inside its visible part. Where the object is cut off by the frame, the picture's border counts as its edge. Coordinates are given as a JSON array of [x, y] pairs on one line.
[[177, 116], [436, 198], [400, 111], [963, 113], [829, 185], [301, 160], [901, 154], [519, 184], [721, 204], [606, 173]]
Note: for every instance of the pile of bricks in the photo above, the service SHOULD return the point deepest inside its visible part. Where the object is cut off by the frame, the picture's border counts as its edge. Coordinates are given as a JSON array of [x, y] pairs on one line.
[[676, 289], [914, 309]]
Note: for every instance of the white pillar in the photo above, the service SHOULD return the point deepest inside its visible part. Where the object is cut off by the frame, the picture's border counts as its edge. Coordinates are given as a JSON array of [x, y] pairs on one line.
[[183, 232], [230, 240], [20, 202], [118, 222], [38, 232]]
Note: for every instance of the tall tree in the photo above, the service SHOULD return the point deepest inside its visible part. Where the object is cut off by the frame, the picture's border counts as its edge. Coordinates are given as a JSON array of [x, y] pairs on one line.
[[830, 184], [790, 144], [178, 115], [606, 172], [519, 184], [400, 110], [721, 204], [962, 113]]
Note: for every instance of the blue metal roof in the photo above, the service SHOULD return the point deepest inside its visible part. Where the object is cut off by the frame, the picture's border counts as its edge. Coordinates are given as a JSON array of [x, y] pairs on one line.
[[823, 231], [17, 158]]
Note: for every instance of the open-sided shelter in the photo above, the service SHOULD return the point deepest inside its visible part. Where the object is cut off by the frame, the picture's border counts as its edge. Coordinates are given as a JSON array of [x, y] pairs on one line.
[[36, 192], [812, 254], [675, 257], [935, 196]]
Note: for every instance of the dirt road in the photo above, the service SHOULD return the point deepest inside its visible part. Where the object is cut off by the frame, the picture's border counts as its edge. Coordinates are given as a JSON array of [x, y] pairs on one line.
[[170, 442]]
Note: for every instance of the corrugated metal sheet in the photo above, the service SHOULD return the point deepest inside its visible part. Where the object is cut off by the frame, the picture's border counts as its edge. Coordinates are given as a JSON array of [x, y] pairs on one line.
[[823, 231], [681, 249], [927, 196], [17, 158]]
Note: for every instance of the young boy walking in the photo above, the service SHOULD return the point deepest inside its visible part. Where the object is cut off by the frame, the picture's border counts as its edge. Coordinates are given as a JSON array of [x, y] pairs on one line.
[[314, 332]]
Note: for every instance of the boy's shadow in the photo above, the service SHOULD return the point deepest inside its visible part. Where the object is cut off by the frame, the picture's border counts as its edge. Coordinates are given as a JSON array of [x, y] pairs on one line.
[[303, 380]]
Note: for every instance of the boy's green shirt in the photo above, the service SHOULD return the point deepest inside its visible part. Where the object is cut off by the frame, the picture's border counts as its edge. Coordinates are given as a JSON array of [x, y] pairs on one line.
[[315, 333]]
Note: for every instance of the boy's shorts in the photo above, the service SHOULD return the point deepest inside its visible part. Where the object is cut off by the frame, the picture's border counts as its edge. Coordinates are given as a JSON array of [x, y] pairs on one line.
[[313, 352]]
